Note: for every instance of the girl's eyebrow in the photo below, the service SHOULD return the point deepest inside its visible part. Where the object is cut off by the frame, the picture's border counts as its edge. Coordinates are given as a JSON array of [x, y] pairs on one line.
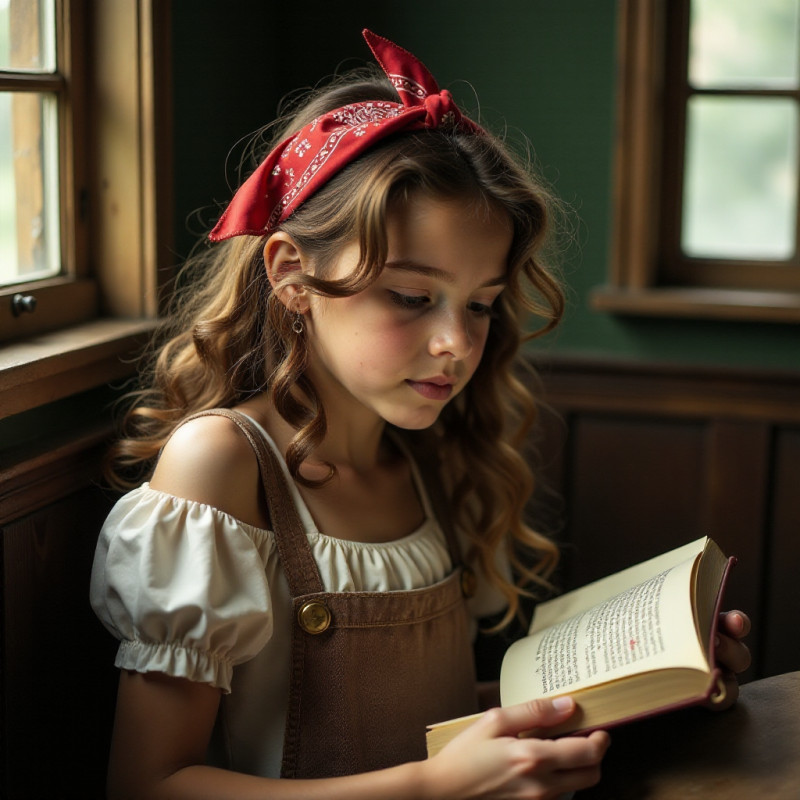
[[439, 274]]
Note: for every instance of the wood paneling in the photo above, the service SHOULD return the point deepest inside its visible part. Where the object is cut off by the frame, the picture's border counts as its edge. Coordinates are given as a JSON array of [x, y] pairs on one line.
[[657, 456], [630, 493], [58, 678], [782, 598]]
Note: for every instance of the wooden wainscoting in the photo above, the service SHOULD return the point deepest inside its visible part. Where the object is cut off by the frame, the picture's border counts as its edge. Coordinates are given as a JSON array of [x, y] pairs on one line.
[[646, 458], [57, 679]]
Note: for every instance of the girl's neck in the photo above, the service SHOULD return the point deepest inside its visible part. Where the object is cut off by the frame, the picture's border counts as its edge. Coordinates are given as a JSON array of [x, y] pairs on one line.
[[372, 497], [352, 441]]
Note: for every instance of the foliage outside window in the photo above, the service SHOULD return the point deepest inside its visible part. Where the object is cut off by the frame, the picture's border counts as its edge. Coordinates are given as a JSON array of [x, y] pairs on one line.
[[707, 168]]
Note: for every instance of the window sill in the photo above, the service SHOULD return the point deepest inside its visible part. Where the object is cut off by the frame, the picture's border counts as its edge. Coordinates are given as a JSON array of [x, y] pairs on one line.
[[56, 365], [699, 303]]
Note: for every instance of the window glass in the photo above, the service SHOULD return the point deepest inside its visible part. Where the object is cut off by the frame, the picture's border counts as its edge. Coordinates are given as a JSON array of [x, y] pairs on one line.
[[27, 35], [743, 43], [29, 171], [29, 219], [740, 190]]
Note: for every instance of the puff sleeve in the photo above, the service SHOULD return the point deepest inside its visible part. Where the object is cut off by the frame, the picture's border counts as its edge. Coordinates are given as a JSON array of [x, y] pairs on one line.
[[183, 586]]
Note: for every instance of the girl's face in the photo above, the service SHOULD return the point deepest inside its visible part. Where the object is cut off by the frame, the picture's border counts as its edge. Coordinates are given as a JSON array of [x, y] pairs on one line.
[[409, 343]]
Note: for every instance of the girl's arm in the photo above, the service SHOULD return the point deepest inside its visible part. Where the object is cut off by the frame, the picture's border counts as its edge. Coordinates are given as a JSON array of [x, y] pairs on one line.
[[163, 726]]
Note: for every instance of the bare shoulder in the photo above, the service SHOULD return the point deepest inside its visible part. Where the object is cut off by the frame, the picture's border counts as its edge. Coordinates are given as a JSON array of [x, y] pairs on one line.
[[208, 460]]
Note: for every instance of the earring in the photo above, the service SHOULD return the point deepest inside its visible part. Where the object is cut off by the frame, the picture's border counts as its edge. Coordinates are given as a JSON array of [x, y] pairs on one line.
[[297, 325]]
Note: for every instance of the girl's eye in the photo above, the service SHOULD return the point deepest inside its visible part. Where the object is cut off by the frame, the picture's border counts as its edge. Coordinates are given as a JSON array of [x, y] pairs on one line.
[[481, 309], [408, 300]]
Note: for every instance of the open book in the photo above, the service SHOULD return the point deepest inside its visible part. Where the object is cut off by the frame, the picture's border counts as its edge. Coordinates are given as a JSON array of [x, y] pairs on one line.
[[637, 643]]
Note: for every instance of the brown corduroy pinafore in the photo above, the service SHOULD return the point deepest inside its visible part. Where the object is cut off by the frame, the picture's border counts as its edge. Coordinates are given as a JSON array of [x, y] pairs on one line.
[[369, 669]]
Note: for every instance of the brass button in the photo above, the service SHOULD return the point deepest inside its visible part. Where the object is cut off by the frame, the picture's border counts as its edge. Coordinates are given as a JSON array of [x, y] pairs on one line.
[[469, 583], [314, 617]]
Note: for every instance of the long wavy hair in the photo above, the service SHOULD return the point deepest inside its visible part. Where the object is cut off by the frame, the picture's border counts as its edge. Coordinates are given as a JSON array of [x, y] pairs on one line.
[[229, 337]]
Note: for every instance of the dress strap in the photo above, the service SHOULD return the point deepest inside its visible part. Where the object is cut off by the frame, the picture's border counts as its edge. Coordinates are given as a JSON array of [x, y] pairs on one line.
[[291, 540]]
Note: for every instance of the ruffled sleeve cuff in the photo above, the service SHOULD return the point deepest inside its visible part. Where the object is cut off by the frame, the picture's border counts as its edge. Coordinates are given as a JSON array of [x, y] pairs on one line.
[[177, 661]]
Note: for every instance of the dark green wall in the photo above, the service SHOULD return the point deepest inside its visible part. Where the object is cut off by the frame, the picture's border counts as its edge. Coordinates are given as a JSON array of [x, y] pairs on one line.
[[543, 67]]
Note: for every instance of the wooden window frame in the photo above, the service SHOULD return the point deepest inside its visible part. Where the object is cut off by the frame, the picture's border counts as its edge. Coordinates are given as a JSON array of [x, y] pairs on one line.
[[79, 294], [117, 249], [636, 281]]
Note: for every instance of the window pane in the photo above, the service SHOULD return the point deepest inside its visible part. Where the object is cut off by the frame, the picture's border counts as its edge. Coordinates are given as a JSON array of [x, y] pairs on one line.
[[740, 187], [27, 35], [744, 43], [29, 238]]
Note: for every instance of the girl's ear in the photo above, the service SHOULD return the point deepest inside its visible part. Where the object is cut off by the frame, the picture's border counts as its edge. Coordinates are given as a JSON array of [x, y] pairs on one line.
[[282, 259]]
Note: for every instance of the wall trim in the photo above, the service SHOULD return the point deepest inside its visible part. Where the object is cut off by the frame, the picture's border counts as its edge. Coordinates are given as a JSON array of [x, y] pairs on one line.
[[631, 387]]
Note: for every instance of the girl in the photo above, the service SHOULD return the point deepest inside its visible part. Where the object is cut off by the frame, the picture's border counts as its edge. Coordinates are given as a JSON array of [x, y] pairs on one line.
[[291, 586]]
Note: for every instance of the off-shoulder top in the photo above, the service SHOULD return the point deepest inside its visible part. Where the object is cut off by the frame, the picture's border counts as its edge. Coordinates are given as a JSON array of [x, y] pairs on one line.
[[192, 592]]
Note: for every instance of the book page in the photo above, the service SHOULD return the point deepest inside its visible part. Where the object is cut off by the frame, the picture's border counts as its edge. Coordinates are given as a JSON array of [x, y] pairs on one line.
[[593, 593], [644, 627]]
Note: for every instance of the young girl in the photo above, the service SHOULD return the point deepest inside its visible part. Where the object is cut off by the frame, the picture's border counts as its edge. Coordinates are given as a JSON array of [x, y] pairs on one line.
[[293, 586]]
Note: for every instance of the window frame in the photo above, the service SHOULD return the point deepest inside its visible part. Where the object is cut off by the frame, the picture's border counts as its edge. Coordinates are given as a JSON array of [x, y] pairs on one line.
[[118, 209], [641, 215], [70, 297]]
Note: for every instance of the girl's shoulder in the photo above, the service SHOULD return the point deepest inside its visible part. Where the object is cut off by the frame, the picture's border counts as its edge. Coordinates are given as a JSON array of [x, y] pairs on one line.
[[209, 461]]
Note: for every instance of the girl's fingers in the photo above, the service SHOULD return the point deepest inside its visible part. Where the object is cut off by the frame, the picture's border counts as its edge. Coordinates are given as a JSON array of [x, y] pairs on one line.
[[491, 761], [735, 623], [527, 717], [566, 764], [571, 752], [731, 693], [533, 719], [732, 654]]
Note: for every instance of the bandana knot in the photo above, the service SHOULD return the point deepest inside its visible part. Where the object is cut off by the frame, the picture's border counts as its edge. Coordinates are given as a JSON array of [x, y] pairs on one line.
[[442, 110]]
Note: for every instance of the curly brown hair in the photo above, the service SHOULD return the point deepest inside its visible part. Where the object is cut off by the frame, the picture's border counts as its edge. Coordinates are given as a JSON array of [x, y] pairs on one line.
[[219, 347]]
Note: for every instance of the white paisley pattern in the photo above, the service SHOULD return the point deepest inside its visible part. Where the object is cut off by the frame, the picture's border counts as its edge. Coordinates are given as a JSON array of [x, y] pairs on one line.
[[364, 113], [353, 119], [403, 84]]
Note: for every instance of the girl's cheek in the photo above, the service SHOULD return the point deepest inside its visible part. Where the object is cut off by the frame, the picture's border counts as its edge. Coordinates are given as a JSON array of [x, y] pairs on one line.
[[377, 343], [397, 340]]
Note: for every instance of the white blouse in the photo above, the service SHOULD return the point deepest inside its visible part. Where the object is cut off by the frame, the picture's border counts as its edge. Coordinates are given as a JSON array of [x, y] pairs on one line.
[[192, 592]]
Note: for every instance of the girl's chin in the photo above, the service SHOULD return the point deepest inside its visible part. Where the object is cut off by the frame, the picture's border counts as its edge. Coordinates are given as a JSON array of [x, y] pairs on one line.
[[414, 422]]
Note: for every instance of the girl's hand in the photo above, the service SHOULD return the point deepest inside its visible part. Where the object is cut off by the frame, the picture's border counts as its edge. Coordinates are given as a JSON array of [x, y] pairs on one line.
[[732, 653], [487, 760]]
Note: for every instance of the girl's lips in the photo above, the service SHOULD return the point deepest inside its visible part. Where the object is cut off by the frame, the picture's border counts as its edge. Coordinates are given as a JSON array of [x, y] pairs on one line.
[[431, 390]]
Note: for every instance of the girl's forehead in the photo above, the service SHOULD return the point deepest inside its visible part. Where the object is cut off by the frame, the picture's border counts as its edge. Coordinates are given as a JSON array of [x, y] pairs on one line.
[[451, 235], [448, 234], [430, 220], [474, 206]]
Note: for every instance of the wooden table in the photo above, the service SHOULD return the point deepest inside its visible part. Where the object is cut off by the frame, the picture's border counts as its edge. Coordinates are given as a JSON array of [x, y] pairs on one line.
[[750, 752]]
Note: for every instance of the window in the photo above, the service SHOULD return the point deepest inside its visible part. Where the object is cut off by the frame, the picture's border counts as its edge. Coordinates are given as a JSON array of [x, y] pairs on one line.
[[29, 229], [42, 170], [85, 204], [707, 169]]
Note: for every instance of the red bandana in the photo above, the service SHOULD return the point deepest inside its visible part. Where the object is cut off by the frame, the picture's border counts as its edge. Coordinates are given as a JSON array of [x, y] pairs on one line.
[[303, 163]]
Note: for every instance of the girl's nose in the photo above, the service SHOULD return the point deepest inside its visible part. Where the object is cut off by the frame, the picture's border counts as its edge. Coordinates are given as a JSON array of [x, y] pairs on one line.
[[451, 336]]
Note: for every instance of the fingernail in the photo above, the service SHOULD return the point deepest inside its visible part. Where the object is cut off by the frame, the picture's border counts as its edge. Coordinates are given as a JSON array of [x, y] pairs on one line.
[[563, 703]]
